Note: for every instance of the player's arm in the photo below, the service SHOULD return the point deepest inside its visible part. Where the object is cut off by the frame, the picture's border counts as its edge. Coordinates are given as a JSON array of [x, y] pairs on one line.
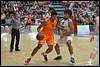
[[71, 26], [58, 26], [63, 29], [39, 28], [43, 23], [55, 24]]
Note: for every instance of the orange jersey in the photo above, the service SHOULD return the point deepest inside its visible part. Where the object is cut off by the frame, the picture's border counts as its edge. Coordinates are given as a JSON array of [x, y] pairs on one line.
[[48, 29], [48, 33]]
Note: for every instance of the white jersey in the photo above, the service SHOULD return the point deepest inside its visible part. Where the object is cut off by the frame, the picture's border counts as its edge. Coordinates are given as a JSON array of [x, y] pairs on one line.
[[66, 38], [64, 23]]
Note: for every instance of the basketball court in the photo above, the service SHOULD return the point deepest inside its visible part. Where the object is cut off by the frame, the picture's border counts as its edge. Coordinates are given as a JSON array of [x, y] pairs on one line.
[[81, 45]]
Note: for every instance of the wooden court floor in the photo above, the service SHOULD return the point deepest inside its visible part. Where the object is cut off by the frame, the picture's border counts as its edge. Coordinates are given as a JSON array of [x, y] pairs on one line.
[[81, 45]]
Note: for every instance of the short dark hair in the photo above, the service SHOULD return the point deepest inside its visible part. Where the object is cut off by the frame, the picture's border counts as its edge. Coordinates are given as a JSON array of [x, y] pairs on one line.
[[51, 8], [53, 13], [68, 11]]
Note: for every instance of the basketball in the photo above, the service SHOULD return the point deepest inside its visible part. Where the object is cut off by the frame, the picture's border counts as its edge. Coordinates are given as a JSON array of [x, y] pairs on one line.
[[40, 36]]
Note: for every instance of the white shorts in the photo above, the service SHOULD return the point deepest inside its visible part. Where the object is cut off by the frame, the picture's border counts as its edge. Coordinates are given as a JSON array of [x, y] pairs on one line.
[[65, 39]]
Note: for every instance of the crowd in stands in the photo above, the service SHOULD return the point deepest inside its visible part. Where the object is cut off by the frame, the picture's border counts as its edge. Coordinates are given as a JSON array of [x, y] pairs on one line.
[[84, 12], [29, 11]]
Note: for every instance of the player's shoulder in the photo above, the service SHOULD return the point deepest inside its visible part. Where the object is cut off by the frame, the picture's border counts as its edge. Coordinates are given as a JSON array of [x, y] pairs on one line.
[[70, 20]]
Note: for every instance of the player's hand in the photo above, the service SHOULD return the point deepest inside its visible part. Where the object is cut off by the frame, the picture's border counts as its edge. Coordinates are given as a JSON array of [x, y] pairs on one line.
[[92, 39], [39, 28]]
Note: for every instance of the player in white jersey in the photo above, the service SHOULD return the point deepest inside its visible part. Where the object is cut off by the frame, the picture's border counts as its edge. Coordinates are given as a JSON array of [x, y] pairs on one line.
[[66, 34], [96, 48]]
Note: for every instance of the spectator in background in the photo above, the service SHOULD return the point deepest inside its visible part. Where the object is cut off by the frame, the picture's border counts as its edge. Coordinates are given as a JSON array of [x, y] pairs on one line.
[[15, 20], [27, 7], [28, 22], [8, 22], [3, 17]]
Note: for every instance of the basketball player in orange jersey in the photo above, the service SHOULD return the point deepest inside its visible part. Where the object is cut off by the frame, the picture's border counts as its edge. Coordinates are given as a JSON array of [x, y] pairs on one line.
[[96, 48], [66, 34], [48, 31]]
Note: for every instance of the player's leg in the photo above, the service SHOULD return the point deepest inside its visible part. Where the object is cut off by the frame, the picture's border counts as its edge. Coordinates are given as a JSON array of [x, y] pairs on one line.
[[57, 49], [36, 49], [92, 57], [33, 53], [50, 48], [50, 42], [58, 45], [70, 48], [93, 54]]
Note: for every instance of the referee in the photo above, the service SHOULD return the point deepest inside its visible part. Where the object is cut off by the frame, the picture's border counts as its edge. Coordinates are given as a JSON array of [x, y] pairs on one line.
[[15, 21]]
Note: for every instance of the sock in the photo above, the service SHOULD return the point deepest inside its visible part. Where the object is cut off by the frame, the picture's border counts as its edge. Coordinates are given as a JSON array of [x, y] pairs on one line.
[[72, 56], [90, 61], [58, 55]]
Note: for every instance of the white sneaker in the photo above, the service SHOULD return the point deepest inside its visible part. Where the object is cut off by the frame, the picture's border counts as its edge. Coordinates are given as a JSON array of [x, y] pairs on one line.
[[72, 61], [88, 64]]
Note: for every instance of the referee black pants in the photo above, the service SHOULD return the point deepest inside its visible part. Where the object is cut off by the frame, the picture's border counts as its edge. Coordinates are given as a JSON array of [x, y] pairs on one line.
[[15, 33]]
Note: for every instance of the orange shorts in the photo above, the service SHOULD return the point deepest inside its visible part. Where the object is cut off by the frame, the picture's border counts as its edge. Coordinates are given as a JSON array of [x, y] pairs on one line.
[[49, 40]]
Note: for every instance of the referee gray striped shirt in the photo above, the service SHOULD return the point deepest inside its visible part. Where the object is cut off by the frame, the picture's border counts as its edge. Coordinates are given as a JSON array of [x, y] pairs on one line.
[[16, 23]]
